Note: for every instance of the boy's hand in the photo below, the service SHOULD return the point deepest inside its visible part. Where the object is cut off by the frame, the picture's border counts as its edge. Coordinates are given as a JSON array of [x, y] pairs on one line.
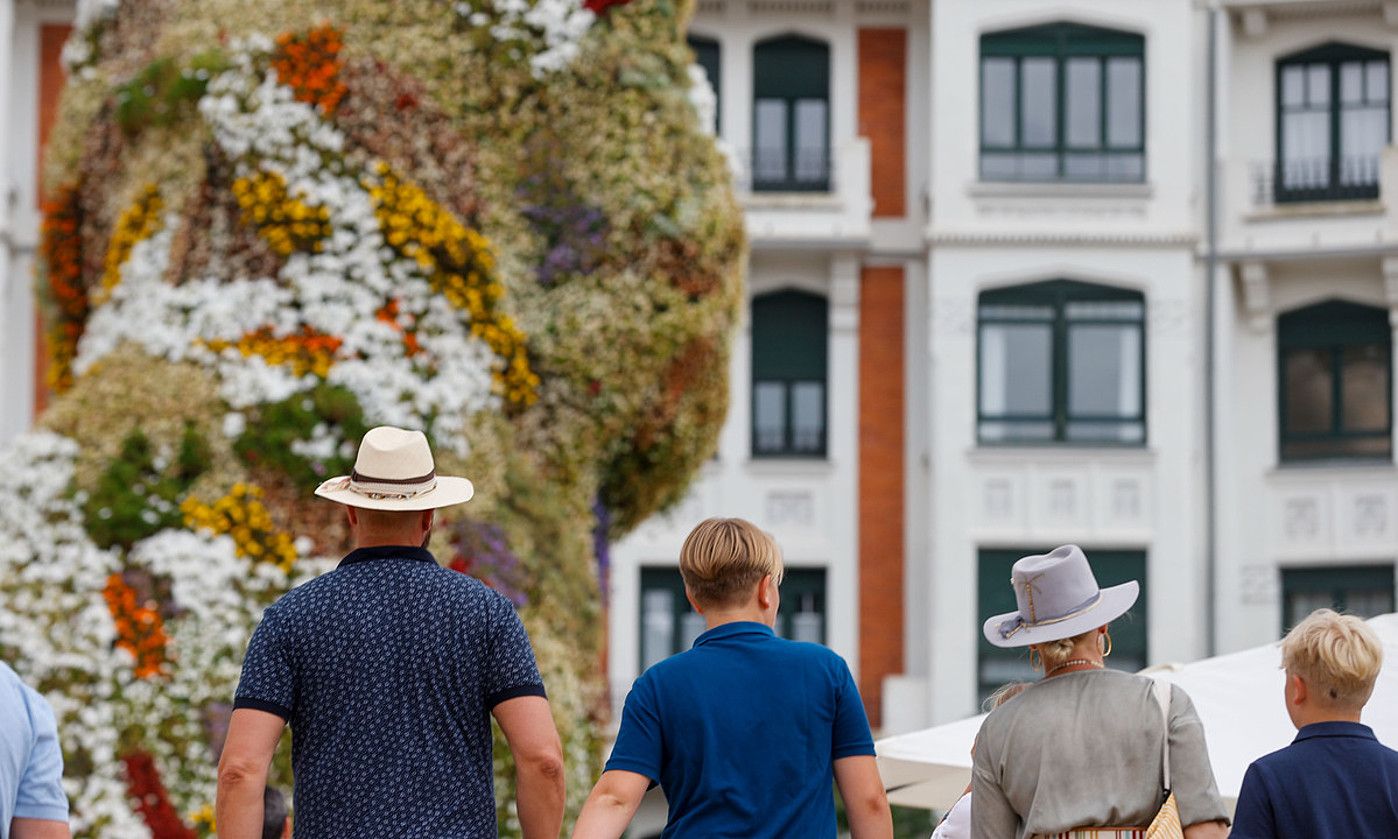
[[866, 803], [612, 804]]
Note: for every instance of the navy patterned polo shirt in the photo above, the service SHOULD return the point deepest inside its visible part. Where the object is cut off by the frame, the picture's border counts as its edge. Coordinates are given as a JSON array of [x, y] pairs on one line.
[[387, 669]]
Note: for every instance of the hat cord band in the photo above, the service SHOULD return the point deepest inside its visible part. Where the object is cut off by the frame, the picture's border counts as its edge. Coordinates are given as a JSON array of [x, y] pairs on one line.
[[1018, 622], [391, 488]]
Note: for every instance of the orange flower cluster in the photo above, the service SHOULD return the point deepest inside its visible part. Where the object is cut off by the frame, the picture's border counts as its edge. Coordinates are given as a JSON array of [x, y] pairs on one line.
[[61, 248], [461, 267], [307, 351], [242, 515], [389, 315], [140, 630], [309, 64]]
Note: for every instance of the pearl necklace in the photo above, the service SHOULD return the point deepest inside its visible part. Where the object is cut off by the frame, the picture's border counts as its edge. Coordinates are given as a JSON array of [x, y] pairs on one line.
[[1074, 662]]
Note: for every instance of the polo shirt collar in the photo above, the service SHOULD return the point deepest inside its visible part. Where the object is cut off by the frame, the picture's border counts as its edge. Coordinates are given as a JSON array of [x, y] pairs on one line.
[[736, 629], [411, 552], [1335, 729]]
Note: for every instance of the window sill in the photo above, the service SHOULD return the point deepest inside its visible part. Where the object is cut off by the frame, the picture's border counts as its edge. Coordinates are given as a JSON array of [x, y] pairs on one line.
[[790, 466], [1318, 209], [1059, 190], [1346, 465], [817, 201], [1000, 453]]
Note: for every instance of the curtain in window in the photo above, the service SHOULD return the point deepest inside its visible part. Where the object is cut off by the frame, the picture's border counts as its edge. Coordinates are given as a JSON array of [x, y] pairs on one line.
[[1333, 115]]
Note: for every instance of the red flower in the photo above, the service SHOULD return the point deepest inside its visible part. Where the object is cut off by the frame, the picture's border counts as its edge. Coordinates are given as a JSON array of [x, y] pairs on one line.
[[601, 6], [148, 793]]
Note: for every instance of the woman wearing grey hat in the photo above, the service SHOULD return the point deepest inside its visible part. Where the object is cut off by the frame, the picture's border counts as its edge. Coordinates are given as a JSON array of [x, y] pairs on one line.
[[1084, 752]]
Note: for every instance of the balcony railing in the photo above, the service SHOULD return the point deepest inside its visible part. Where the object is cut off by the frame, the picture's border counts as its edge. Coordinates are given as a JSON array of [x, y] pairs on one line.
[[781, 170], [1293, 181]]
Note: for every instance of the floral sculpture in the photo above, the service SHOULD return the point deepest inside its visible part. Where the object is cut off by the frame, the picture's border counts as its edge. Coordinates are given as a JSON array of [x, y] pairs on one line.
[[273, 224]]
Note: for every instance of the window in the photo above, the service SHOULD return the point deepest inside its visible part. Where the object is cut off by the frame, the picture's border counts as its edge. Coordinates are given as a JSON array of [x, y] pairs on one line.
[[1332, 122], [791, 116], [1363, 590], [706, 55], [1335, 361], [788, 374], [669, 624], [1063, 102], [997, 666], [1062, 361]]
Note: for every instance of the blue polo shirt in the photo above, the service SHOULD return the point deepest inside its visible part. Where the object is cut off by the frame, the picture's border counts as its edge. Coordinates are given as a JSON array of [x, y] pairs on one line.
[[1335, 781], [742, 732], [387, 669], [31, 762]]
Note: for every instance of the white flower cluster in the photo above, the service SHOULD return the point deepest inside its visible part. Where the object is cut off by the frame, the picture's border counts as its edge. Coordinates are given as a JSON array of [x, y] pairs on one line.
[[78, 52], [551, 29], [56, 630], [337, 292]]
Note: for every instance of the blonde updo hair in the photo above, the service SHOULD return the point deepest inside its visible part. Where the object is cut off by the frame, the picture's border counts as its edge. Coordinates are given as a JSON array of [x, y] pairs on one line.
[[1339, 656], [1054, 653]]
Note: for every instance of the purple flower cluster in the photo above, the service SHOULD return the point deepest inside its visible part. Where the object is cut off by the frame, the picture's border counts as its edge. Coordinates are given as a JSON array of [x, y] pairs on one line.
[[575, 232], [483, 551], [602, 547]]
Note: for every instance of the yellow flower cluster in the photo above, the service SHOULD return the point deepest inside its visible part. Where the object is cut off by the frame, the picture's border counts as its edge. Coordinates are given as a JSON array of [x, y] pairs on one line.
[[242, 515], [137, 222], [461, 267], [203, 819], [285, 222], [307, 352]]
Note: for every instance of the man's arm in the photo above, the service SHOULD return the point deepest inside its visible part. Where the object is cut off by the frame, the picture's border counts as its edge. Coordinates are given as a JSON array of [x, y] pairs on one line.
[[538, 753], [242, 772], [866, 803], [39, 829], [612, 805]]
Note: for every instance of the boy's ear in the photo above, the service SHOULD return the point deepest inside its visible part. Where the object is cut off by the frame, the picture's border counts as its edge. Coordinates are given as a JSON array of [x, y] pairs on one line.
[[766, 591], [694, 604], [1298, 688]]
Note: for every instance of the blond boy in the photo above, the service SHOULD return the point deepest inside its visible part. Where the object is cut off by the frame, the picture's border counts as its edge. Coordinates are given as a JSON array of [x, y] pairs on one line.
[[746, 731], [1335, 780]]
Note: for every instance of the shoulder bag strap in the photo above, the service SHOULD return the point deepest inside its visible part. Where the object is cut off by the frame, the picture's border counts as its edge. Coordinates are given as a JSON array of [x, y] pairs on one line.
[[1162, 698]]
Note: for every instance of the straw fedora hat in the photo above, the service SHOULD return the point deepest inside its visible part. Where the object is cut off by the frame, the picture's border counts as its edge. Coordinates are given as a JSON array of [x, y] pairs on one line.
[[1058, 597], [394, 471]]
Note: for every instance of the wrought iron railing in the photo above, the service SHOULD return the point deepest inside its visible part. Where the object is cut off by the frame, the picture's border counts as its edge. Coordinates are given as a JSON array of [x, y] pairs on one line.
[[1353, 178], [784, 170]]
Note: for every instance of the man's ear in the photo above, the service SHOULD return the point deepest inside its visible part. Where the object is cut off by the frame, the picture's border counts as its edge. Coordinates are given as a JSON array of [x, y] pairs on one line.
[[352, 515], [428, 517]]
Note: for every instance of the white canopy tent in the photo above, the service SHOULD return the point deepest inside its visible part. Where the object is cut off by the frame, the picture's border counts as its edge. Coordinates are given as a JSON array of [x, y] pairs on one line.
[[1238, 697]]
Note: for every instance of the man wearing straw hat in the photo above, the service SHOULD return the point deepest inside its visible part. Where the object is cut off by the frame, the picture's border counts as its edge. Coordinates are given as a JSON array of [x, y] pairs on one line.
[[388, 670]]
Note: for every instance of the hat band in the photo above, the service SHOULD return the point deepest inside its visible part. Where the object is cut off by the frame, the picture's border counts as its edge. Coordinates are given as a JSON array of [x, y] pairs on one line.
[[390, 488], [1015, 624]]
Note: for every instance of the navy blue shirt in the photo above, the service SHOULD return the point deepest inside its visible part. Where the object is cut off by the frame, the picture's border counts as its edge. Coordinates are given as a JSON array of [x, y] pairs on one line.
[[1335, 781], [387, 669], [742, 733]]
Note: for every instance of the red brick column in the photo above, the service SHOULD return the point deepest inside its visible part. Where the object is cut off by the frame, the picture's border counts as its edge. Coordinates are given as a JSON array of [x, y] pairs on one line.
[[883, 93], [881, 465], [52, 37]]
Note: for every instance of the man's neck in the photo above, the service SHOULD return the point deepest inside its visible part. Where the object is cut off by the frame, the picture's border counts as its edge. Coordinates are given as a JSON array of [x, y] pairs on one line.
[[386, 541]]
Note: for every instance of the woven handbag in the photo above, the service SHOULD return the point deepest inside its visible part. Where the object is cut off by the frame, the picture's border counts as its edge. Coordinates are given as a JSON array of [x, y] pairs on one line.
[[1166, 824]]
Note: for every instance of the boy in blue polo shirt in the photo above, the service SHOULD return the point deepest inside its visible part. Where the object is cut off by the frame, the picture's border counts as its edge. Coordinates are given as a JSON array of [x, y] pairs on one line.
[[1335, 781], [746, 731]]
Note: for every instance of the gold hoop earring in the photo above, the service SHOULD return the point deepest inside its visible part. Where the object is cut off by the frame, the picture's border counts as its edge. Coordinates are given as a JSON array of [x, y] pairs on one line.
[[1035, 665], [1105, 643]]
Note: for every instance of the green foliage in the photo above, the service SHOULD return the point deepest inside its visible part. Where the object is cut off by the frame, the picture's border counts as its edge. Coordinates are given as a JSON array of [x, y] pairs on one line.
[[163, 90], [272, 430], [138, 495]]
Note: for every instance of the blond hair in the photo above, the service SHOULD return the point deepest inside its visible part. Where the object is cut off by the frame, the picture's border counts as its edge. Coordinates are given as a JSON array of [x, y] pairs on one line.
[[1338, 655], [1055, 653], [1003, 694], [723, 559]]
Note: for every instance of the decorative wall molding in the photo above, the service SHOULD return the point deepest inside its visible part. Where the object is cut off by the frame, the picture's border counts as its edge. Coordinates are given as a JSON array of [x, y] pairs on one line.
[[790, 508], [791, 7], [1257, 295], [1004, 238]]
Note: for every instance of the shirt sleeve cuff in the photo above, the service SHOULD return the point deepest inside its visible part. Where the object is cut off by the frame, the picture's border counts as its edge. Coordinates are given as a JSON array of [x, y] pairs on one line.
[[854, 750], [42, 812], [515, 693], [262, 705], [630, 765]]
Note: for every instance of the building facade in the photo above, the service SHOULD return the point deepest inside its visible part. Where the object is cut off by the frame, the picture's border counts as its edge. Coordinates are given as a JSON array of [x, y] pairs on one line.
[[1116, 272]]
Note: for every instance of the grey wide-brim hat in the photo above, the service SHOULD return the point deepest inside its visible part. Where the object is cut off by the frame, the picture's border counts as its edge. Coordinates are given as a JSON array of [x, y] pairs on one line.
[[1058, 598]]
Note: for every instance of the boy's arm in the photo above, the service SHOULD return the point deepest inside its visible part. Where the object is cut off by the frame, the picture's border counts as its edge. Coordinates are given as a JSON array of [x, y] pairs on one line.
[[611, 805], [1252, 818], [865, 801]]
